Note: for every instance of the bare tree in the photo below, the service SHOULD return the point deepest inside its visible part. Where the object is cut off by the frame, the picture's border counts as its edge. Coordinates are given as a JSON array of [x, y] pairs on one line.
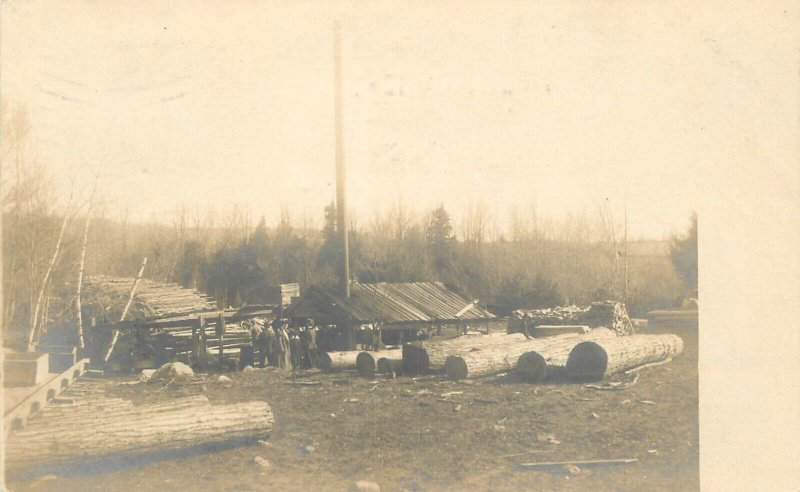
[[34, 328], [78, 309]]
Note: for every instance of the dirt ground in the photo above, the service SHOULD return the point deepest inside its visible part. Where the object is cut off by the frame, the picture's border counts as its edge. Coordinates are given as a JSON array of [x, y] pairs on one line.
[[404, 435]]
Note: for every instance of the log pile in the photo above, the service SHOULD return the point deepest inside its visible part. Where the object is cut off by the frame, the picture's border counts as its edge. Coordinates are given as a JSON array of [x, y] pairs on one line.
[[420, 357], [98, 429], [486, 359], [154, 302], [594, 360], [367, 362], [536, 365], [107, 295]]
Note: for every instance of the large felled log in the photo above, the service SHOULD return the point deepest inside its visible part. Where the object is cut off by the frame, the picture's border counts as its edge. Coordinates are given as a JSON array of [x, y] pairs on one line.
[[495, 358], [113, 429], [367, 362], [420, 357], [591, 361], [536, 365], [336, 361]]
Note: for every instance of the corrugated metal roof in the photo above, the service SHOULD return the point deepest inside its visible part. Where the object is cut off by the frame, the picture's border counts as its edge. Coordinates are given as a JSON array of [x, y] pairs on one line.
[[400, 303]]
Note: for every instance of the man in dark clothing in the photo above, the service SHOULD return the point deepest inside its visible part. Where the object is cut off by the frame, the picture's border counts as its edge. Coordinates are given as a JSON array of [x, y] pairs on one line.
[[294, 348]]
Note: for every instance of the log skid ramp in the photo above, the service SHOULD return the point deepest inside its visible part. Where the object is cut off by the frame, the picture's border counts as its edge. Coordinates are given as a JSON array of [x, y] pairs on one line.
[[86, 431], [18, 411]]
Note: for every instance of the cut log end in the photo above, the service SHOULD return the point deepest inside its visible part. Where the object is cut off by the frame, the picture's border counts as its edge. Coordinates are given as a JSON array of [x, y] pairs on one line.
[[325, 363], [455, 367], [365, 363], [415, 359], [587, 362], [389, 366], [532, 367]]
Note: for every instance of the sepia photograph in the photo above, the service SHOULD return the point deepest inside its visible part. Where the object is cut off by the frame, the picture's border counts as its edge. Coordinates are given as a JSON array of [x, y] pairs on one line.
[[374, 246]]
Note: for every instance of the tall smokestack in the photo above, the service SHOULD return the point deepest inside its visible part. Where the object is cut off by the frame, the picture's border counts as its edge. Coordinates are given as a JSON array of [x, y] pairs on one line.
[[341, 205]]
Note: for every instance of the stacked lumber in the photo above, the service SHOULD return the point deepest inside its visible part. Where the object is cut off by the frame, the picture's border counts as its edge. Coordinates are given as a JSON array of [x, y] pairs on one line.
[[97, 429], [559, 315], [107, 295], [489, 359], [367, 362], [608, 314], [151, 298], [337, 361], [594, 360], [420, 357]]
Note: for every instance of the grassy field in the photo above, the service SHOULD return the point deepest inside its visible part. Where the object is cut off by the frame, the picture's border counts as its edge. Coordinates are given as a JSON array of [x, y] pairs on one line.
[[402, 434]]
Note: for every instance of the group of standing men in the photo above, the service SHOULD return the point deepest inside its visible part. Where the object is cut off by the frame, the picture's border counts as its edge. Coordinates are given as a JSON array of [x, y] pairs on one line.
[[277, 346]]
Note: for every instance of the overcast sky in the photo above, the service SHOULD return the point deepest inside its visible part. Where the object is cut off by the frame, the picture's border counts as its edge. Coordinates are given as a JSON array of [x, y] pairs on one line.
[[559, 105]]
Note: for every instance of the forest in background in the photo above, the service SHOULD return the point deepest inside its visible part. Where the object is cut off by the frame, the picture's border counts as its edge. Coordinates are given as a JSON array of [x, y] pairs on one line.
[[536, 262]]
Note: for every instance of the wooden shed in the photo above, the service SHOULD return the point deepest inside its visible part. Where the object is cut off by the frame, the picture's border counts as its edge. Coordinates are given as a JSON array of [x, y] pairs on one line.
[[399, 310]]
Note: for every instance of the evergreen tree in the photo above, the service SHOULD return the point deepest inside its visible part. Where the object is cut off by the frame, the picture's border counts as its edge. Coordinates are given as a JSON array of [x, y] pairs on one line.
[[439, 239]]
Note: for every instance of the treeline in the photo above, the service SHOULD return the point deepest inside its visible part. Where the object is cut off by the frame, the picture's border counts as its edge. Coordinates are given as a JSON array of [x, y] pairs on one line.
[[536, 262], [541, 262]]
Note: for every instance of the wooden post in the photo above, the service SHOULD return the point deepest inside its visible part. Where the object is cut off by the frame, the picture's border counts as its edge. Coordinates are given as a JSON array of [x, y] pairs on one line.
[[221, 334], [196, 340], [341, 205], [92, 325]]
